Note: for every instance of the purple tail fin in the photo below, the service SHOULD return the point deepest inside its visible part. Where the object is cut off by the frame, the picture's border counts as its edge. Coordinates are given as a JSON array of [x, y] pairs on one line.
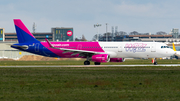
[[23, 34]]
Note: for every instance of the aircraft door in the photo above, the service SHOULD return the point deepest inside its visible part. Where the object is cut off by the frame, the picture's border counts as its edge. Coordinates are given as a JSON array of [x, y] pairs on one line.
[[79, 47], [153, 47], [120, 48], [37, 47]]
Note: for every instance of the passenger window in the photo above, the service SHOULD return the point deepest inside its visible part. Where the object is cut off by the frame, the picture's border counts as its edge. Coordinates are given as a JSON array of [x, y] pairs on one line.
[[161, 46]]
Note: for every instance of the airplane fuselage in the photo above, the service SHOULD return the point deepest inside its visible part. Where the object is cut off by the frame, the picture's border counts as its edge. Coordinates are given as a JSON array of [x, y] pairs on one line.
[[114, 49]]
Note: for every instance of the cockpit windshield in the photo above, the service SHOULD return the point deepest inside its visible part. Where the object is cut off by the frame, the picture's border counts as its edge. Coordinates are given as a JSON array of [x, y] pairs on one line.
[[165, 47]]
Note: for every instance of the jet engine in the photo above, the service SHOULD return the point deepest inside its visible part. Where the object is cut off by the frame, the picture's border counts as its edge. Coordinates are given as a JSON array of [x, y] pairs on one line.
[[100, 58], [117, 59]]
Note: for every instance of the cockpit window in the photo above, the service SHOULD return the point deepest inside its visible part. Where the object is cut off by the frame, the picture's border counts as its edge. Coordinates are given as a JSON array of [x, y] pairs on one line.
[[165, 47]]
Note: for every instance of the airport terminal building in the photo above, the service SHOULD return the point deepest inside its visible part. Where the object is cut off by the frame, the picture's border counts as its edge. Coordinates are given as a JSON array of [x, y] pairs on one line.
[[56, 34]]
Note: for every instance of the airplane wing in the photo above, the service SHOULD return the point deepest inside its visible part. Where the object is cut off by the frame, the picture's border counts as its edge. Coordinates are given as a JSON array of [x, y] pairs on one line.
[[75, 51]]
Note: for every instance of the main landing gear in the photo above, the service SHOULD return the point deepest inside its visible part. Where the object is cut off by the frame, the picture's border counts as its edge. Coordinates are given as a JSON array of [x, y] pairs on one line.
[[97, 63], [86, 62]]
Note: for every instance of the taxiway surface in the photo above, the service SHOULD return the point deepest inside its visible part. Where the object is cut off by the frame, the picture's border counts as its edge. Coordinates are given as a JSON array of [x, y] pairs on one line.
[[165, 65]]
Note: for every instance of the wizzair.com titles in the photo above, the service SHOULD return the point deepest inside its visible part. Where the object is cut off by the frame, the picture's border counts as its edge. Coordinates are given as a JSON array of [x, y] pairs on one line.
[[60, 45]]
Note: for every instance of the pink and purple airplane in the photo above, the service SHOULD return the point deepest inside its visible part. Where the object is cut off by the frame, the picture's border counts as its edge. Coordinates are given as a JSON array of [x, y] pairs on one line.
[[98, 52]]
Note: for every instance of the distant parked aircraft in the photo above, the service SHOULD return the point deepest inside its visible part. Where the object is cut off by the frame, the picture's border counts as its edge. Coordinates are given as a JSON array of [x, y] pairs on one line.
[[177, 53], [98, 52]]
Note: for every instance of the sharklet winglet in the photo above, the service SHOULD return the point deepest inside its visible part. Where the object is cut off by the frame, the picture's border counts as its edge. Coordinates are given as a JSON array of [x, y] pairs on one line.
[[50, 45], [48, 42]]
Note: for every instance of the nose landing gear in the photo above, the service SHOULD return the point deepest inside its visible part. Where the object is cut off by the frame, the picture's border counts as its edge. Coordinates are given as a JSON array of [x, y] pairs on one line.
[[154, 61]]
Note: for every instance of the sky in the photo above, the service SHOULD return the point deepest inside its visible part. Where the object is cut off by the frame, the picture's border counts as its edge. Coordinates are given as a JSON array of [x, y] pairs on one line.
[[143, 16]]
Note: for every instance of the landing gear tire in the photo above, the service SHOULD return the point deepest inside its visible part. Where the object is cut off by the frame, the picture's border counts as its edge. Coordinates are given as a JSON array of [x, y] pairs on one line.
[[155, 63], [86, 63], [97, 63]]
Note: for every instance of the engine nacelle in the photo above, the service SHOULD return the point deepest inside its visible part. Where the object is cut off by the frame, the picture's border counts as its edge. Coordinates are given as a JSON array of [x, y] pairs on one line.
[[117, 59], [100, 58]]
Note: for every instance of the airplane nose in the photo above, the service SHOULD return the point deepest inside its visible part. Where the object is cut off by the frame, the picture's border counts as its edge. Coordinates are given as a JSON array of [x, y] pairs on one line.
[[171, 52]]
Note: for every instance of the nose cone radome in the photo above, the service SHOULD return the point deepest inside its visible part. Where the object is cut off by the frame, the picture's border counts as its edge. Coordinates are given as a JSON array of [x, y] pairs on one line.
[[170, 52]]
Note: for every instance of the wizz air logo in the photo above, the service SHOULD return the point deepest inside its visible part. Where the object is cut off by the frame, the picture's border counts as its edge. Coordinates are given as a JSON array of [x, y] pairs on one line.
[[135, 47]]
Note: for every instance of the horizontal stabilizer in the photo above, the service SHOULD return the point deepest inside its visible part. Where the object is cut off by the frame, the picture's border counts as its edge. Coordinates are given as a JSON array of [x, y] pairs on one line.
[[19, 46]]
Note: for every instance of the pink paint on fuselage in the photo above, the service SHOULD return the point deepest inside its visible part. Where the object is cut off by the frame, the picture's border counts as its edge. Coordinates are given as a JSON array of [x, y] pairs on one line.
[[85, 46], [21, 25]]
